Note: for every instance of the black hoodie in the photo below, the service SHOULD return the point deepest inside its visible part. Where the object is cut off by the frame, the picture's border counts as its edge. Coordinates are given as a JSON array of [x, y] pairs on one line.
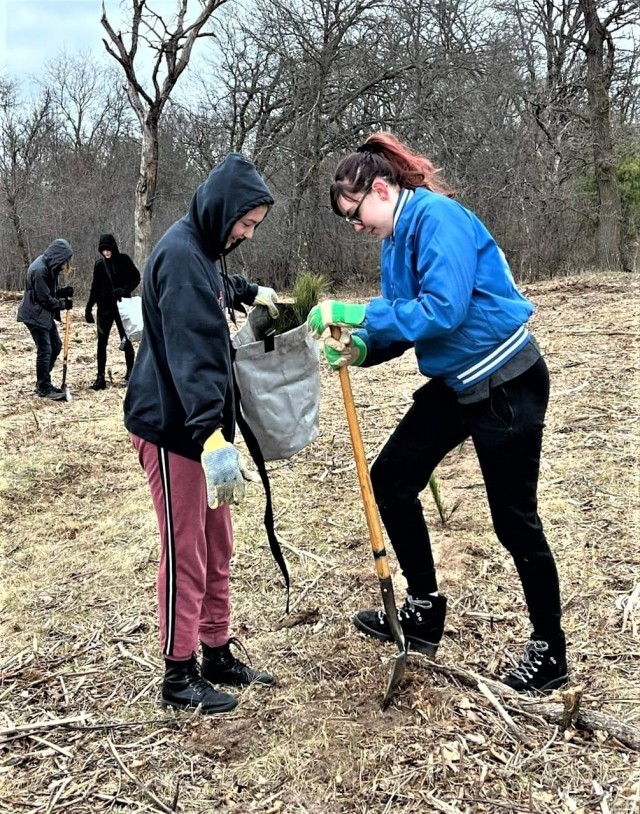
[[40, 303], [118, 273], [181, 387]]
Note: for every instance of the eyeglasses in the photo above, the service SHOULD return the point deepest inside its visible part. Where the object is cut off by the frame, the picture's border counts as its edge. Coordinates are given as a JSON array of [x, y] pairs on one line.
[[354, 218]]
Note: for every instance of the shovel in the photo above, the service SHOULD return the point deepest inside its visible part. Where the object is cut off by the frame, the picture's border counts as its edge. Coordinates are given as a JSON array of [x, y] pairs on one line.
[[375, 534], [65, 354]]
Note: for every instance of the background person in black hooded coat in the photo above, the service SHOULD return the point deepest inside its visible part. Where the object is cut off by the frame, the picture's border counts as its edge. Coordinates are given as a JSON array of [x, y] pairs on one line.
[[41, 305], [114, 276]]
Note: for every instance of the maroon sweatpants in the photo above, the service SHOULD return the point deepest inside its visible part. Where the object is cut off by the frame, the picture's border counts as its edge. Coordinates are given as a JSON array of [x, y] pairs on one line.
[[196, 547]]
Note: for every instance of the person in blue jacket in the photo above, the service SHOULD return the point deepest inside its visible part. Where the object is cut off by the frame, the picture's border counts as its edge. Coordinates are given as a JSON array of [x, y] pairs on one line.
[[448, 293]]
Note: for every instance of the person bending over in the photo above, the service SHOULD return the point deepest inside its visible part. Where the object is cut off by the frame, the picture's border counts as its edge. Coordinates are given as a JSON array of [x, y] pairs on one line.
[[448, 293]]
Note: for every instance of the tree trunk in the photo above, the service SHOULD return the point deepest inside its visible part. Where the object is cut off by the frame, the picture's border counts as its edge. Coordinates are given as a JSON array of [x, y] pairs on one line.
[[146, 192], [16, 222], [599, 67]]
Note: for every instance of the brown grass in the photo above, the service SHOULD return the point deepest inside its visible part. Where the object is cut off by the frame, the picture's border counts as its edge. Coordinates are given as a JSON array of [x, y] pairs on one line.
[[77, 606]]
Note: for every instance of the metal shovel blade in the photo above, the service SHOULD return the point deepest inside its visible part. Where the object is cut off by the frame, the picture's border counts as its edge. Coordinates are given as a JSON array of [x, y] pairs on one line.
[[400, 658]]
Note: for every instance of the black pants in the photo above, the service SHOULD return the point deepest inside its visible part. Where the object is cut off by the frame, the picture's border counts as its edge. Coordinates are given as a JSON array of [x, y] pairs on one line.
[[104, 323], [506, 430], [48, 347]]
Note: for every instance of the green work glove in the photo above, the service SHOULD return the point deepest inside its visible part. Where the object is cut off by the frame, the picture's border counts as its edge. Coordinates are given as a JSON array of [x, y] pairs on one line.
[[267, 296], [348, 350], [332, 312], [223, 470]]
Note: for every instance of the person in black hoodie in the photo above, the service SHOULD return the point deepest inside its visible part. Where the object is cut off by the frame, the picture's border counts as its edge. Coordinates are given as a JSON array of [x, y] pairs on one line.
[[114, 276], [41, 305], [179, 411]]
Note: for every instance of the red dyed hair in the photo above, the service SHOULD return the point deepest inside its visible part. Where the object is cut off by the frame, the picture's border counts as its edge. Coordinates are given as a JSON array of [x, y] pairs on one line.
[[383, 155]]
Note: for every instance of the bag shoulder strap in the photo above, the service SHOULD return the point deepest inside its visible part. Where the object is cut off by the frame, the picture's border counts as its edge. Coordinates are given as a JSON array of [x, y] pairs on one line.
[[258, 458], [109, 277]]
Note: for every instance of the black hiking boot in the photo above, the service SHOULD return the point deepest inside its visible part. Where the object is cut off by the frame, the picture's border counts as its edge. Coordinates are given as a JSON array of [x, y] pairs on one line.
[[99, 384], [422, 621], [220, 666], [543, 667], [184, 688], [53, 393]]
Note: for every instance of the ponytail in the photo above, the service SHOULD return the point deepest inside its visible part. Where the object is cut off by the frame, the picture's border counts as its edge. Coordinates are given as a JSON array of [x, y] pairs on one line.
[[383, 155]]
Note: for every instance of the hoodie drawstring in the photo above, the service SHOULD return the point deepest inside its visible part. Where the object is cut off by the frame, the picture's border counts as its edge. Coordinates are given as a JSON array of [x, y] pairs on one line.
[[228, 290]]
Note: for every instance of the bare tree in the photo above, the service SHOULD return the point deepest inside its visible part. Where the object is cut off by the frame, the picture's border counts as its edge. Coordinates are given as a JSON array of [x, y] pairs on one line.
[[23, 139], [600, 50], [86, 100], [172, 43]]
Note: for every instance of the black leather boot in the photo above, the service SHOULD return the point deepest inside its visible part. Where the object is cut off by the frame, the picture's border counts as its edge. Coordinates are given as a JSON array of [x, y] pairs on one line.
[[53, 393], [220, 666], [184, 688], [422, 622], [543, 667], [100, 383]]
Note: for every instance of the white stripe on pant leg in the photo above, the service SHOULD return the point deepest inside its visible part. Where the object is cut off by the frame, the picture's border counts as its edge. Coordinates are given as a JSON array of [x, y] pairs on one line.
[[171, 588]]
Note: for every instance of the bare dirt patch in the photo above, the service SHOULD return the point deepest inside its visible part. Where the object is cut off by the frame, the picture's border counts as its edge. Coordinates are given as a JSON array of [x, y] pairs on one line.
[[79, 636]]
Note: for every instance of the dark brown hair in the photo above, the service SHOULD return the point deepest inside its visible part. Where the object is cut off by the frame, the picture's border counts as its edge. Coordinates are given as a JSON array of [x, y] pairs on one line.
[[383, 155]]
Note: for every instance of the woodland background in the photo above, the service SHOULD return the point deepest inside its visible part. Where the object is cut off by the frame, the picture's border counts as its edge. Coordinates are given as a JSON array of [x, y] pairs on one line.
[[530, 107]]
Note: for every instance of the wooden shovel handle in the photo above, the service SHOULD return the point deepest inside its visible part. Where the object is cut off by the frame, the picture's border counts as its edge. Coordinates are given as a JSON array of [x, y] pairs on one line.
[[362, 468], [65, 347], [67, 333]]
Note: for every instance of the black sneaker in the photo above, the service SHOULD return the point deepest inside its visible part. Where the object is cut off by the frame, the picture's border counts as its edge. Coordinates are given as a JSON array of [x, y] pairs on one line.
[[422, 621], [99, 384], [542, 668], [184, 688], [220, 666], [53, 393]]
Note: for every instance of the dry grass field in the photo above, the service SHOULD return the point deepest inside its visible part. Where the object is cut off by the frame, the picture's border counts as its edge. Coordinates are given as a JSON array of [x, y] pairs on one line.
[[81, 730]]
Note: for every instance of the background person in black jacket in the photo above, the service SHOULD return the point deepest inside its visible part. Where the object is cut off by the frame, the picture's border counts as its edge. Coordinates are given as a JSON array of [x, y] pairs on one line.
[[114, 276], [41, 304]]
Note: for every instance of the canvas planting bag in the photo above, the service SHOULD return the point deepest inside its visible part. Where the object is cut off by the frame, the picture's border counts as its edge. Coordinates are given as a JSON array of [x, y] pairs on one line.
[[130, 310], [278, 379]]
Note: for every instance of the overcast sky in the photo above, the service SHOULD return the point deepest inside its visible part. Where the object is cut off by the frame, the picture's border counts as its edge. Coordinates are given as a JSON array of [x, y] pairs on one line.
[[33, 32]]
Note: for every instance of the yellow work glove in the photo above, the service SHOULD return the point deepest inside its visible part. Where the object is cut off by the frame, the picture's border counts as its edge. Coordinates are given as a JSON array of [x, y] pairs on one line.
[[224, 471]]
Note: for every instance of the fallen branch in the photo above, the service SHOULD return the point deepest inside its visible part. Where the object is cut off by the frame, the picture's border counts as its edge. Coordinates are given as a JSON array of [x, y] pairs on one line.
[[511, 724], [26, 729], [53, 746], [591, 720], [147, 792]]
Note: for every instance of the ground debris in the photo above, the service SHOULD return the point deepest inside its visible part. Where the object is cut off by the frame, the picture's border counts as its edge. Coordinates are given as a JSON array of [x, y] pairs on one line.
[[80, 726]]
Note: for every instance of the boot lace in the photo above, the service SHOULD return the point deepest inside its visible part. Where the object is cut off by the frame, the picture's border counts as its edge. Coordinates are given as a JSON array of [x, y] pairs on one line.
[[195, 677], [531, 662], [232, 659], [411, 609]]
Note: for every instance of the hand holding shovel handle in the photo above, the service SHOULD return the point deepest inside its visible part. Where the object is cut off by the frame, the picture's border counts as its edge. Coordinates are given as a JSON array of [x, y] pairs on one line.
[[375, 533]]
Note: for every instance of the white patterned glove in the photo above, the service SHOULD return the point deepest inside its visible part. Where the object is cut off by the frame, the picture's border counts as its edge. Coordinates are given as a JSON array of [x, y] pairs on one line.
[[224, 471], [267, 296]]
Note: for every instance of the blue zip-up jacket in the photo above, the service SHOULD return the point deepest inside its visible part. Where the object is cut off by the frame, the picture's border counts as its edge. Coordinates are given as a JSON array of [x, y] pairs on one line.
[[448, 291]]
